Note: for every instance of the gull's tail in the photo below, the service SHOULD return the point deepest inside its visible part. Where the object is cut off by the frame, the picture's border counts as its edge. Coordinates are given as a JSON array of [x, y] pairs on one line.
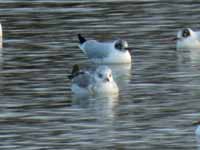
[[81, 39], [75, 71]]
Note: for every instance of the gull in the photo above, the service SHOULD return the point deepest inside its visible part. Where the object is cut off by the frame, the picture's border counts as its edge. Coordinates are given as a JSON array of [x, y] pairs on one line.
[[1, 36], [93, 82], [187, 39], [105, 52], [197, 131], [1, 42]]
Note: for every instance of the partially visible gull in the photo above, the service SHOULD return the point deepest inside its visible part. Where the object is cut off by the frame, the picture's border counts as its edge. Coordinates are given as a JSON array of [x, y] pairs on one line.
[[187, 39], [197, 131]]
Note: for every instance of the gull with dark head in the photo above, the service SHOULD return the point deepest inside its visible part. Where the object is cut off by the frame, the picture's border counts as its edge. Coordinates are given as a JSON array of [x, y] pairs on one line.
[[105, 52], [187, 39], [93, 82]]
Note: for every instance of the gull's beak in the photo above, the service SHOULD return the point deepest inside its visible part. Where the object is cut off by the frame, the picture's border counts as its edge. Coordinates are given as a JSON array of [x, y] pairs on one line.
[[128, 49], [172, 39], [107, 80], [175, 39], [196, 123]]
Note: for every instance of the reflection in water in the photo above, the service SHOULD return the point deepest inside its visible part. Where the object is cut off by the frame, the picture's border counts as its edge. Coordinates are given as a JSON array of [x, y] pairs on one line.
[[121, 74], [102, 107], [198, 141], [191, 56], [195, 56]]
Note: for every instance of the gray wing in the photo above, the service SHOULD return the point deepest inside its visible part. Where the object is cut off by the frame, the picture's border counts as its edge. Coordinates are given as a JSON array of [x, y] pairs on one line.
[[83, 80], [95, 49]]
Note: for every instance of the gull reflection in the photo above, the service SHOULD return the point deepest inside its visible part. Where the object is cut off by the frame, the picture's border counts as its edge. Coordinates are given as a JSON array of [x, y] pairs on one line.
[[121, 74], [101, 107], [191, 56]]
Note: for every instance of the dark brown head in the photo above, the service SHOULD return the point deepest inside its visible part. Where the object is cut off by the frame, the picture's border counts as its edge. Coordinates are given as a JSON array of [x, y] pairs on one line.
[[186, 33], [121, 45]]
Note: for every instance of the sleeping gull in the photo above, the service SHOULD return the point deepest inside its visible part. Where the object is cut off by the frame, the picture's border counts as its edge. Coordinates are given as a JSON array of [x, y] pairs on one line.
[[93, 82], [187, 39], [105, 52]]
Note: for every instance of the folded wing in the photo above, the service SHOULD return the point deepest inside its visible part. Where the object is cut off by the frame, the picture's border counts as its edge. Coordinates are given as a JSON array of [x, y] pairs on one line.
[[95, 49], [83, 80]]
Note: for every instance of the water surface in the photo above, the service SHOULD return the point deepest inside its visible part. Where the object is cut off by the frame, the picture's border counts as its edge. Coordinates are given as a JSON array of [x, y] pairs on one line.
[[159, 95]]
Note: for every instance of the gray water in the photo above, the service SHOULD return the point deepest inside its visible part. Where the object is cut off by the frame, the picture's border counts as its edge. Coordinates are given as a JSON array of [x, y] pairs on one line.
[[159, 96]]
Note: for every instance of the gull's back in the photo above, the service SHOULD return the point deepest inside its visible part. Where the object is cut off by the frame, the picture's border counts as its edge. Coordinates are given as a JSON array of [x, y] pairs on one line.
[[82, 80], [95, 49]]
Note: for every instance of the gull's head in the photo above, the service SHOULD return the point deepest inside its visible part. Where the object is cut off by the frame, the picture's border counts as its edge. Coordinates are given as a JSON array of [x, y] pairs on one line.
[[103, 74], [185, 34], [121, 45]]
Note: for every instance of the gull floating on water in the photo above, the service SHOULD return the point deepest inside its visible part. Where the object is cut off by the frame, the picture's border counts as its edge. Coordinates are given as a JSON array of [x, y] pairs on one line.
[[1, 41], [187, 39], [105, 52], [93, 82], [1, 36], [197, 131]]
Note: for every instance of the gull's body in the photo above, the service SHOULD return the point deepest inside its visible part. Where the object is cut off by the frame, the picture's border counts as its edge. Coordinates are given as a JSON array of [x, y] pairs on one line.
[[1, 42], [1, 36], [197, 131], [187, 39], [105, 52], [95, 82]]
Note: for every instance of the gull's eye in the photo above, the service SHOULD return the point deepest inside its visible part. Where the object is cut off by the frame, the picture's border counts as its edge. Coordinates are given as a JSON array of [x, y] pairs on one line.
[[100, 75], [186, 33], [118, 45], [110, 75]]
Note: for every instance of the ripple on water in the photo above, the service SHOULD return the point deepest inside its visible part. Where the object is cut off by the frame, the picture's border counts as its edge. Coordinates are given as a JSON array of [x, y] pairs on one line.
[[159, 92]]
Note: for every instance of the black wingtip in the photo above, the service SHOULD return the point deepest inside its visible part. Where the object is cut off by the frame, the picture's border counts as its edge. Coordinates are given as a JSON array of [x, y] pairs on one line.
[[75, 71], [81, 39]]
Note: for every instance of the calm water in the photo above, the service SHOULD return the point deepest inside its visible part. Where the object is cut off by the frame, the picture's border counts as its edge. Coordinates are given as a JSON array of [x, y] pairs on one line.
[[159, 93]]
